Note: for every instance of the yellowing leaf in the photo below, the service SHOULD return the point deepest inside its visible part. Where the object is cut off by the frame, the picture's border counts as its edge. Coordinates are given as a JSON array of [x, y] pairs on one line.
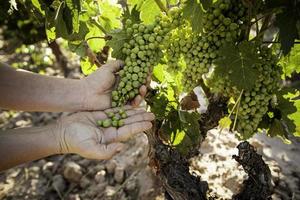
[[225, 123]]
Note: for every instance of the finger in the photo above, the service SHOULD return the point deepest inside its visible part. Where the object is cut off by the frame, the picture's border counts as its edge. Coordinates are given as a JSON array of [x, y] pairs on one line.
[[143, 90], [127, 131], [106, 152], [135, 112], [140, 117], [113, 66], [137, 101]]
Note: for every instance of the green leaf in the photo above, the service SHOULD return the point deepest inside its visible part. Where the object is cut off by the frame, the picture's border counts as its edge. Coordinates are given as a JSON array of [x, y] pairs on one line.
[[135, 3], [289, 106], [78, 48], [225, 123], [158, 73], [149, 10], [96, 44], [183, 129], [206, 3], [133, 15], [60, 25], [86, 67], [277, 129], [192, 11], [286, 22], [71, 14], [291, 62], [119, 37], [159, 105], [110, 15], [37, 4], [238, 63]]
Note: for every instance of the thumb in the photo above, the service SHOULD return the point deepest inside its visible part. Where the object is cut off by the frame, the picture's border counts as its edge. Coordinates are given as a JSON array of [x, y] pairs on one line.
[[114, 66], [106, 152]]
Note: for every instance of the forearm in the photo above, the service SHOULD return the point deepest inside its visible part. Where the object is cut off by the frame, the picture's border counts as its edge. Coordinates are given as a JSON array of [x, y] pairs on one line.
[[26, 144], [26, 91]]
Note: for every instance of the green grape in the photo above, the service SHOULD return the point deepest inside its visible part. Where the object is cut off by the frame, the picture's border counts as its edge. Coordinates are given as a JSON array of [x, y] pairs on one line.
[[115, 123], [106, 123]]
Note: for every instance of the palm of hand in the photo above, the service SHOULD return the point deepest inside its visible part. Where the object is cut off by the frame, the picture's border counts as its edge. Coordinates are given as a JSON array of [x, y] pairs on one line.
[[80, 134]]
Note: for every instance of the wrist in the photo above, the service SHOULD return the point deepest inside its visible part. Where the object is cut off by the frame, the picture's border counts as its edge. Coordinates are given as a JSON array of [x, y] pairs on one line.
[[52, 136]]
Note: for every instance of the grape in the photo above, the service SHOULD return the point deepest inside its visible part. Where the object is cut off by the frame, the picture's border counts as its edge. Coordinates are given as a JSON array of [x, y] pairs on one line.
[[106, 123]]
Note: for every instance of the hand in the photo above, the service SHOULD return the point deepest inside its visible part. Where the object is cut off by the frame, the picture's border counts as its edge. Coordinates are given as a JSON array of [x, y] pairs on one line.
[[78, 133], [99, 85]]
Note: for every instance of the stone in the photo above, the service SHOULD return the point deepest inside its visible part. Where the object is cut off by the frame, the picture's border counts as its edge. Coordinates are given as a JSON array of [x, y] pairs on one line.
[[110, 166], [100, 176], [72, 172], [58, 183], [119, 174], [84, 182]]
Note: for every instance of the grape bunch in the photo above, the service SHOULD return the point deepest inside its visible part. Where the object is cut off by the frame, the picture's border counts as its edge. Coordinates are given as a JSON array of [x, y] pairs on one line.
[[142, 52], [254, 104], [221, 24]]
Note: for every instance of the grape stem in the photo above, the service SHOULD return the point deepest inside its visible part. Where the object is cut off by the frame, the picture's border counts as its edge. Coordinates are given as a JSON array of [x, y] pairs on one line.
[[276, 42], [107, 37], [100, 27], [237, 112], [238, 100], [161, 6]]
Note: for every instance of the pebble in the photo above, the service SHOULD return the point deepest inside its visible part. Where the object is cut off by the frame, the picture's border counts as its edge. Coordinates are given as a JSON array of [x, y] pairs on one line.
[[72, 172], [119, 174], [100, 176], [109, 191], [58, 183], [110, 166], [84, 182]]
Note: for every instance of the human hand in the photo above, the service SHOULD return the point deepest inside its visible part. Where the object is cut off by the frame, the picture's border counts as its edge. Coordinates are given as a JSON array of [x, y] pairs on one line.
[[98, 86], [78, 133]]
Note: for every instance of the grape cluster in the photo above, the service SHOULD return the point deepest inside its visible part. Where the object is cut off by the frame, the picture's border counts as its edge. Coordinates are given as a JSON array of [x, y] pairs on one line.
[[254, 104], [221, 24], [115, 119], [142, 53]]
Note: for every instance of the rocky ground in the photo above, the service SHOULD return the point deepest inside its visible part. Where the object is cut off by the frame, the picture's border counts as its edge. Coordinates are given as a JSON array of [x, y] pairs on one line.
[[127, 175]]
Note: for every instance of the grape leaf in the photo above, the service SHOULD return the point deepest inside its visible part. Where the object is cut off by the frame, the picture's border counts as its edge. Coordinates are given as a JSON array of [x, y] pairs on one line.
[[192, 11], [96, 44], [158, 73], [119, 37], [183, 129], [71, 15], [290, 110], [291, 62], [86, 66], [149, 10], [60, 25], [135, 3], [206, 3], [110, 15], [225, 122], [159, 105], [133, 15], [277, 129], [237, 62], [286, 22]]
